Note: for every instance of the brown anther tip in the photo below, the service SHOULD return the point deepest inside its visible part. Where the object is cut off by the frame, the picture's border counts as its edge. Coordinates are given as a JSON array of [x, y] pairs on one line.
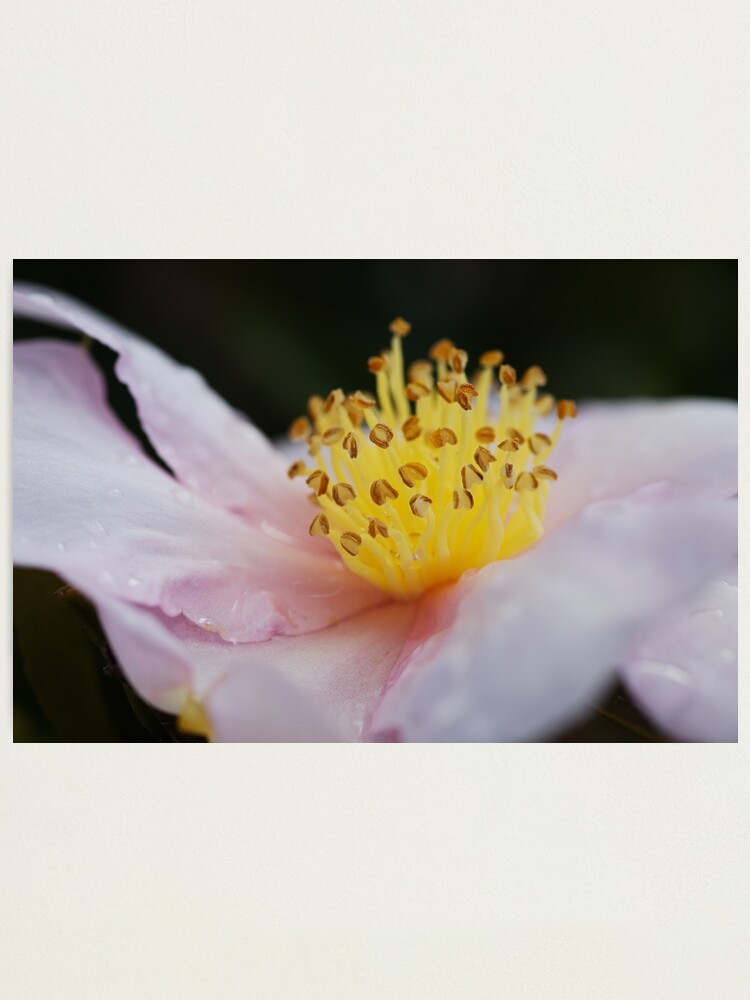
[[381, 435], [545, 405], [515, 435], [399, 327], [320, 525], [332, 435], [300, 429], [313, 444], [458, 359], [533, 378], [335, 398], [411, 429], [508, 445], [412, 473], [363, 399], [486, 435], [507, 375], [526, 481], [491, 359], [417, 390], [544, 472], [464, 399], [376, 527], [566, 408], [468, 388], [447, 389], [420, 371], [315, 406], [376, 364], [350, 542], [441, 437], [539, 442], [508, 475], [420, 504], [296, 469], [343, 494], [462, 500], [483, 458], [470, 476], [381, 491], [350, 445], [441, 350], [318, 482]]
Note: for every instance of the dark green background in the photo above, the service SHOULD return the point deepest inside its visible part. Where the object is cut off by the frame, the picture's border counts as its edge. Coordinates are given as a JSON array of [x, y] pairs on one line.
[[267, 334]]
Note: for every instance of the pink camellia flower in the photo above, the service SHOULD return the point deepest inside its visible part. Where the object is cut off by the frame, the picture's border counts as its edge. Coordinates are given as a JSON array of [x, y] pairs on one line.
[[469, 569]]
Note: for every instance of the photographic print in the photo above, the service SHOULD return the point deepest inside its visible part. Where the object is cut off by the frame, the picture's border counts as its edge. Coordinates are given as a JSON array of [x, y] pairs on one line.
[[381, 501]]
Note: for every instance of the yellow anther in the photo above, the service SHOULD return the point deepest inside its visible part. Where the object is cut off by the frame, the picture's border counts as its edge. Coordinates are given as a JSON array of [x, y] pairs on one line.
[[320, 525], [566, 408], [363, 400], [539, 442], [335, 398], [315, 406], [526, 481], [343, 494], [441, 351], [491, 359], [300, 429], [318, 482], [417, 390], [533, 378], [441, 437], [507, 375], [296, 469], [470, 476], [377, 527], [508, 475], [462, 500], [545, 404], [515, 435], [350, 445], [381, 435], [483, 458], [508, 444], [314, 442], [448, 389], [458, 359], [399, 327], [350, 542], [420, 371], [381, 491], [544, 472], [486, 435], [332, 435], [412, 473], [464, 398], [376, 364], [420, 504], [411, 429]]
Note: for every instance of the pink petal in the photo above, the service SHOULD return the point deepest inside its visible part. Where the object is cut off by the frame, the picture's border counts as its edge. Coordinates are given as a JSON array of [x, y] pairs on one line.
[[210, 448], [89, 505], [160, 667], [319, 686], [529, 641], [612, 449], [683, 671]]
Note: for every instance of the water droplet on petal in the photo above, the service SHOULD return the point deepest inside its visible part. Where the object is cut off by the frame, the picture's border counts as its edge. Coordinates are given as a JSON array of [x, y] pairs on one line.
[[134, 581], [183, 496], [95, 527], [60, 546], [114, 493]]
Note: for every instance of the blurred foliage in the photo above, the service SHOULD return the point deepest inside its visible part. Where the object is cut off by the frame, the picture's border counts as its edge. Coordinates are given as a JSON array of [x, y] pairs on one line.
[[266, 334]]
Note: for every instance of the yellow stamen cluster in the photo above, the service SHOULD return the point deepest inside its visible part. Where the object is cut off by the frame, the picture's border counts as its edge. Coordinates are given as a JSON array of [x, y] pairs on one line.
[[438, 474]]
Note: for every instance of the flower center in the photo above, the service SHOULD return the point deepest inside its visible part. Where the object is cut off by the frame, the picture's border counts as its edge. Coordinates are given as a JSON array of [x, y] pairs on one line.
[[432, 477]]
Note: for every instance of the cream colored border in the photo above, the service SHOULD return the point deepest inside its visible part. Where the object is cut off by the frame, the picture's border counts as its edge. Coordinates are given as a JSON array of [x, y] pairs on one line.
[[358, 129]]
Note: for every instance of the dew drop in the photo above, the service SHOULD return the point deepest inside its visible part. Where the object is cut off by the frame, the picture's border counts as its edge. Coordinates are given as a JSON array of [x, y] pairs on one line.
[[183, 496], [95, 527], [114, 493], [134, 581]]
